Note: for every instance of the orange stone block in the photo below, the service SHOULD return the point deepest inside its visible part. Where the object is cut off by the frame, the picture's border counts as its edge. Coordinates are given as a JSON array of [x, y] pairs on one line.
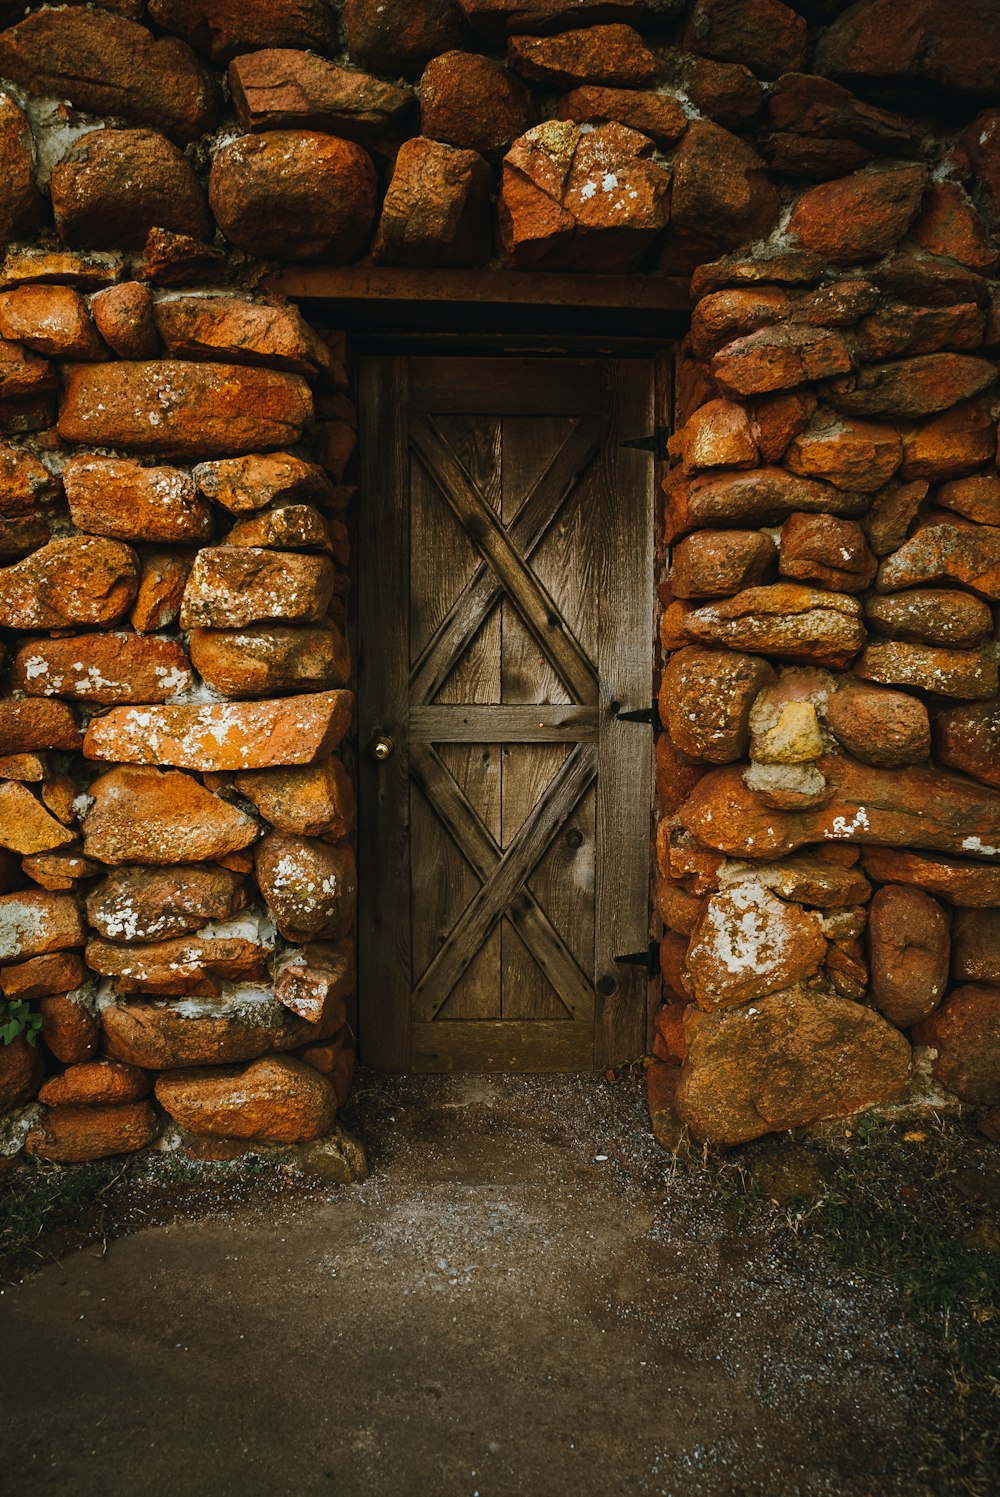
[[96, 1083], [69, 1029], [228, 735], [72, 1135], [183, 409]]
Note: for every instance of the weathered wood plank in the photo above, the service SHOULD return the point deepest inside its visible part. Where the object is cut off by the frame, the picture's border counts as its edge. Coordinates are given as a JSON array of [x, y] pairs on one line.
[[471, 723], [509, 386], [441, 563], [383, 847], [513, 288], [533, 602], [532, 1045], [529, 768], [625, 749]]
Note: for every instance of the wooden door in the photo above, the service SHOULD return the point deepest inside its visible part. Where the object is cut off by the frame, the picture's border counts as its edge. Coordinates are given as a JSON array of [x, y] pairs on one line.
[[505, 618]]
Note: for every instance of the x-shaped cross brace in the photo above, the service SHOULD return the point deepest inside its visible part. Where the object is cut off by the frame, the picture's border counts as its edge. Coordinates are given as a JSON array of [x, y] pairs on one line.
[[504, 874]]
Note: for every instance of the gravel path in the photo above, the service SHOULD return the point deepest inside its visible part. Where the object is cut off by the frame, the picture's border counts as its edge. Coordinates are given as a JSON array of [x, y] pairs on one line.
[[525, 1297]]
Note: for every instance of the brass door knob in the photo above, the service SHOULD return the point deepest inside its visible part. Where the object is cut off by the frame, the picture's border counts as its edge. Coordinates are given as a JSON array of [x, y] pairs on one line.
[[380, 748]]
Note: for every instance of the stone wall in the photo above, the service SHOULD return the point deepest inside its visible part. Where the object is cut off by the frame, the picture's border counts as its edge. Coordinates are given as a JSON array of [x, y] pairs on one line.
[[175, 818]]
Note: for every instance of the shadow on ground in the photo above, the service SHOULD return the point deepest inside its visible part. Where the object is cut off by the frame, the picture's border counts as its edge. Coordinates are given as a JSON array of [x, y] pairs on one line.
[[525, 1297]]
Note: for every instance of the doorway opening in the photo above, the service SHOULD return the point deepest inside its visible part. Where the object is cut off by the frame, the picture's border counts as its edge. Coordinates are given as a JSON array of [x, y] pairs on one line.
[[506, 567]]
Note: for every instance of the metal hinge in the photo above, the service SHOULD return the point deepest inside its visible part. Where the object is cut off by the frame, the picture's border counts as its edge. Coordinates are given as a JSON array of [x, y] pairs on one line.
[[656, 443], [650, 958], [642, 715]]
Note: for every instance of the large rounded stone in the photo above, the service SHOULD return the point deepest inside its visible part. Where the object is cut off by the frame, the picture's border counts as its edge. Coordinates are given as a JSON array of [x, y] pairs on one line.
[[763, 34], [914, 387], [160, 816], [22, 209], [931, 615], [277, 1099], [719, 563], [471, 101], [966, 738], [186, 966], [859, 455], [72, 1135], [118, 497], [705, 701], [779, 358], [123, 315], [180, 409], [34, 922], [25, 825], [264, 659], [222, 28], [50, 320], [955, 443], [59, 972], [971, 674], [295, 195], [785, 619], [914, 807], [107, 65], [858, 217], [72, 581], [309, 886], [96, 1083], [241, 332], [69, 1027], [282, 89], [827, 550], [748, 943], [891, 41], [909, 944], [788, 1060], [965, 1032], [717, 435], [967, 554], [960, 881], [615, 55], [437, 208], [885, 728], [975, 953], [193, 1032], [721, 193], [225, 735], [27, 727], [398, 40], [230, 586], [762, 496], [245, 484], [21, 1072], [113, 186], [660, 116], [315, 800], [580, 200], [154, 904]]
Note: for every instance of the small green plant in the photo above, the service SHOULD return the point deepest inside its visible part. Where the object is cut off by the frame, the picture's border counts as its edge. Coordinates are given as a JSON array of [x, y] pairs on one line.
[[18, 1017]]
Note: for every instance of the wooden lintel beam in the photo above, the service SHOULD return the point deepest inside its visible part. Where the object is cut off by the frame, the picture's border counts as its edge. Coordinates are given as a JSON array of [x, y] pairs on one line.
[[497, 287]]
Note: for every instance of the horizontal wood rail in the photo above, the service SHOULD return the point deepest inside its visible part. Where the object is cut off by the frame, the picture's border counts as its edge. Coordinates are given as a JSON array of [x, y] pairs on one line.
[[502, 724], [379, 283]]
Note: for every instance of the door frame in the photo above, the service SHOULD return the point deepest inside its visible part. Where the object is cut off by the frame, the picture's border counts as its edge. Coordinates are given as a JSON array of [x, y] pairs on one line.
[[622, 1018]]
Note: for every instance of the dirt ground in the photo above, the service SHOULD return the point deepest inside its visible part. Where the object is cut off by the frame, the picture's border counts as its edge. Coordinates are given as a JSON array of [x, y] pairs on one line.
[[525, 1297]]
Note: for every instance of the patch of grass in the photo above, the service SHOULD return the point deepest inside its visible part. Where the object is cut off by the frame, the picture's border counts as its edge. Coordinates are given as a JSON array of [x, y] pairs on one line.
[[47, 1210], [916, 1211], [40, 1200]]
